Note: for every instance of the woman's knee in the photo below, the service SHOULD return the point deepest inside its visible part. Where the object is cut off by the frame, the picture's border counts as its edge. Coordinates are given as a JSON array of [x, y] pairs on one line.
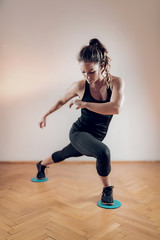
[[57, 157], [104, 154], [103, 162], [103, 171]]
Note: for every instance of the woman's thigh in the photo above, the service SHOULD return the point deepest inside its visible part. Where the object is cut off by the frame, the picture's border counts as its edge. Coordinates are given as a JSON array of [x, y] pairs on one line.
[[87, 144]]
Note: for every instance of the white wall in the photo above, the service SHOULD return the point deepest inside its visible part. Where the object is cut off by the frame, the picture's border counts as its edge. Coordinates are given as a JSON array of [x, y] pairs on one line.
[[39, 43]]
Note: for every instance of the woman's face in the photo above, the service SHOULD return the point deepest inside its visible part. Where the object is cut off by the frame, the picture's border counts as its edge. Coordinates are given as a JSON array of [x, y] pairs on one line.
[[91, 71]]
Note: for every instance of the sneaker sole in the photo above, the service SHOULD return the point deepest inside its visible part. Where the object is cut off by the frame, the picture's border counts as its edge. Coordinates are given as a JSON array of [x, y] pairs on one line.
[[107, 203]]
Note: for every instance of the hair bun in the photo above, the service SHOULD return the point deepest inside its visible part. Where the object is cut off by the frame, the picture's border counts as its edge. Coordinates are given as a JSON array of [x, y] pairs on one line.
[[94, 42]]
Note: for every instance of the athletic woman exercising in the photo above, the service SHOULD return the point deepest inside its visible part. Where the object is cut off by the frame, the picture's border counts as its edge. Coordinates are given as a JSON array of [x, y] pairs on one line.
[[100, 96]]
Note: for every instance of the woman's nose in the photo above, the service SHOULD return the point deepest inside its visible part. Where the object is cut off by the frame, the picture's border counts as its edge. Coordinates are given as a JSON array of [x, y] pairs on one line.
[[87, 76]]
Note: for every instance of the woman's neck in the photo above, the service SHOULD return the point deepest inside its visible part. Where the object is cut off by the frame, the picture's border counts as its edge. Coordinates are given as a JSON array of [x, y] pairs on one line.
[[99, 83]]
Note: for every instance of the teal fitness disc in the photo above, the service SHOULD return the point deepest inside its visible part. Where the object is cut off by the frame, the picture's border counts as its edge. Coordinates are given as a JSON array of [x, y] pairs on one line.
[[116, 204], [39, 180]]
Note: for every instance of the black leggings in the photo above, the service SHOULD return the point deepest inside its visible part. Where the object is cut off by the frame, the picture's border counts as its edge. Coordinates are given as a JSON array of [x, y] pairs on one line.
[[83, 143]]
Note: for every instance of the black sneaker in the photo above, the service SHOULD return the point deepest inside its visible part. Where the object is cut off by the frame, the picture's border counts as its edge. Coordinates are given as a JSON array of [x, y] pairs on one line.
[[41, 173], [107, 196]]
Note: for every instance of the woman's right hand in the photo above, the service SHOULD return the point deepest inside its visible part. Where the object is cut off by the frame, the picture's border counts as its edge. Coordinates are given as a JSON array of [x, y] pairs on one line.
[[42, 122]]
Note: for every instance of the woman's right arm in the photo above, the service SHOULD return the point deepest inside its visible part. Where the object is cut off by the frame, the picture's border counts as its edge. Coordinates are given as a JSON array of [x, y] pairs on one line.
[[71, 92]]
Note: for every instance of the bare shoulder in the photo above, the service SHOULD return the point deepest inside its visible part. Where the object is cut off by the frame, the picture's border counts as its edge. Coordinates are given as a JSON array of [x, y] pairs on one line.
[[72, 91], [117, 82], [76, 86], [79, 87], [80, 84]]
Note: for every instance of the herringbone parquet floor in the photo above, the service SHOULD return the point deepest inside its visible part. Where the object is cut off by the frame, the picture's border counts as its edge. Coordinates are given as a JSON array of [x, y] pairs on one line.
[[65, 207]]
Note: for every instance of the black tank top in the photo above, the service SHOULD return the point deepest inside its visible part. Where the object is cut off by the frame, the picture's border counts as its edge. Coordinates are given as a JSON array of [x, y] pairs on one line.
[[94, 123]]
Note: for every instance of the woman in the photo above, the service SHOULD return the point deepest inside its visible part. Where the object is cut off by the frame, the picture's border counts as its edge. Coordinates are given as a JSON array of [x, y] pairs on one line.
[[100, 96]]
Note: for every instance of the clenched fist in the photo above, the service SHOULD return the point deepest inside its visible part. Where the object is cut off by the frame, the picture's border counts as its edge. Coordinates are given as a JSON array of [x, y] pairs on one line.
[[78, 103], [42, 122]]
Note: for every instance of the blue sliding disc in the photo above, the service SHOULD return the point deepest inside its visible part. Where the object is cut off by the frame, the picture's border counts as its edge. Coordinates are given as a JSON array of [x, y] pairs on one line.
[[116, 204], [39, 180]]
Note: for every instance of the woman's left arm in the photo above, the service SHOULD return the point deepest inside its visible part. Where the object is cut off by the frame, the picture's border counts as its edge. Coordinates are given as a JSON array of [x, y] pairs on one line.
[[108, 108]]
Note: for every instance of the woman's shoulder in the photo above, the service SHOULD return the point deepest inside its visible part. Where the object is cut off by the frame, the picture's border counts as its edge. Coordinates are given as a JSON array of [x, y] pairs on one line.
[[116, 81], [80, 84], [78, 87]]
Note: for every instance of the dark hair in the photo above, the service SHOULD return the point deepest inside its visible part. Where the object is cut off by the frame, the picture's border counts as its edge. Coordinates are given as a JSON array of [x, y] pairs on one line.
[[96, 52]]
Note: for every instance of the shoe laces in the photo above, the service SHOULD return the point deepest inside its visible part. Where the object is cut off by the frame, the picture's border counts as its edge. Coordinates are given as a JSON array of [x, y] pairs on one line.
[[107, 191], [42, 167]]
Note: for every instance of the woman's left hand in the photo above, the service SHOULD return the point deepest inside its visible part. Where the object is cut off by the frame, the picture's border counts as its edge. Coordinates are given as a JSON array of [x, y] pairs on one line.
[[78, 103]]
